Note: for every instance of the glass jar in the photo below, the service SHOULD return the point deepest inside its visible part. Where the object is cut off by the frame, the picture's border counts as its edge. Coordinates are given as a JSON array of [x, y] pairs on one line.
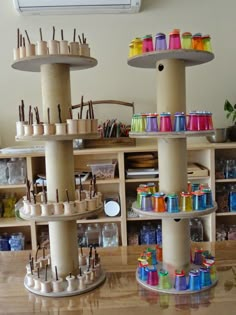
[[147, 235], [3, 172], [17, 241], [196, 230], [93, 235], [16, 171], [110, 235]]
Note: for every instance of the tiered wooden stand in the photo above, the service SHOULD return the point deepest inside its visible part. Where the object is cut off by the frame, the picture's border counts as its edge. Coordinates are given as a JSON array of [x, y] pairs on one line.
[[55, 83], [172, 147]]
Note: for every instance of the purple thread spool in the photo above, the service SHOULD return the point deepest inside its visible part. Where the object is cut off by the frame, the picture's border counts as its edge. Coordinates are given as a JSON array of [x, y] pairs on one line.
[[194, 280], [147, 44], [152, 125], [152, 278], [180, 281], [165, 122], [174, 40], [146, 201], [180, 122], [198, 258], [205, 277], [160, 41]]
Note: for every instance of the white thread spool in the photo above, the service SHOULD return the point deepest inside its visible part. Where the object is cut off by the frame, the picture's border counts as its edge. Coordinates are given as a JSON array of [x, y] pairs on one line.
[[71, 283], [53, 47], [49, 129], [47, 209], [46, 286], [35, 209], [37, 129], [60, 128], [63, 47], [69, 207], [72, 126], [81, 280], [30, 50], [57, 285], [58, 208], [28, 130], [41, 48]]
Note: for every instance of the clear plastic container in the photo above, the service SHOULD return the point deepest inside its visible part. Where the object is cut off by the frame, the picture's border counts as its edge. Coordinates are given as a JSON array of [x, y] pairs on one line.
[[17, 241], [196, 230], [103, 169], [3, 172], [110, 235], [93, 235], [16, 171]]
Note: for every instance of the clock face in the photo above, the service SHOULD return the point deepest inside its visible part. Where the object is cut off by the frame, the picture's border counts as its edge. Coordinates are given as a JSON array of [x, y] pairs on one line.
[[112, 208]]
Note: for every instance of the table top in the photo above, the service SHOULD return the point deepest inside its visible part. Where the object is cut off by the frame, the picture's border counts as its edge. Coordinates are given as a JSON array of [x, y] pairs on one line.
[[120, 293]]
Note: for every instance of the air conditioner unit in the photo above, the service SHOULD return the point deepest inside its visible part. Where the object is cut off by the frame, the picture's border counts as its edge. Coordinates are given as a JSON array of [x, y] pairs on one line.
[[52, 7]]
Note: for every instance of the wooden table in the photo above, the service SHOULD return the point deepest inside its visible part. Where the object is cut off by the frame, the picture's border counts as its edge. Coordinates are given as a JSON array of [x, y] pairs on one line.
[[120, 294]]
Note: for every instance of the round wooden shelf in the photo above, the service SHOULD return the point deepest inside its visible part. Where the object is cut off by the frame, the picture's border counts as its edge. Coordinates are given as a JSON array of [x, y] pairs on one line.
[[33, 64], [183, 134], [176, 215], [189, 56], [61, 217], [172, 290], [65, 293], [59, 137]]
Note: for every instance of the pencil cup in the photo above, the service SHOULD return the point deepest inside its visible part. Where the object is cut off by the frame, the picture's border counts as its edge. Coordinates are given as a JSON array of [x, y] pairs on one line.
[[63, 47], [53, 47], [58, 208], [74, 48], [49, 129], [28, 130], [22, 52], [37, 129], [16, 54], [84, 50], [60, 129], [82, 126], [41, 48], [30, 50], [72, 126]]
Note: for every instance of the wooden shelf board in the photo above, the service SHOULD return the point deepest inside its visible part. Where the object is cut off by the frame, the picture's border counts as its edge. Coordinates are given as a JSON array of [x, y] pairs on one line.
[[190, 57], [8, 186], [225, 214], [228, 180], [137, 180], [58, 137], [11, 222], [87, 221]]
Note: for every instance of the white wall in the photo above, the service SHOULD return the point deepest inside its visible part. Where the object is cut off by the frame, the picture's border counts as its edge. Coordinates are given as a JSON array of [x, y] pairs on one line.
[[208, 85]]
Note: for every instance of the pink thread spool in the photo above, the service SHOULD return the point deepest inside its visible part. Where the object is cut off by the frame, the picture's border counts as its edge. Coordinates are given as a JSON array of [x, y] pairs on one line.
[[174, 40], [147, 44], [152, 277], [165, 122], [193, 121], [209, 121]]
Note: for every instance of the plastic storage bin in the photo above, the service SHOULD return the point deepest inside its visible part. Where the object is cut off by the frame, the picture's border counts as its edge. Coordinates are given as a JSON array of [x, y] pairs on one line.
[[103, 169]]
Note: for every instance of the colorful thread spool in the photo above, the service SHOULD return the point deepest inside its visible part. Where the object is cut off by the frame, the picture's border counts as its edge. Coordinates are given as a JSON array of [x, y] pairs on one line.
[[187, 40], [160, 41], [199, 200], [147, 44], [179, 122], [186, 201], [174, 40], [194, 280], [159, 204], [165, 122], [152, 277], [164, 279], [172, 203], [151, 123], [205, 278], [180, 281]]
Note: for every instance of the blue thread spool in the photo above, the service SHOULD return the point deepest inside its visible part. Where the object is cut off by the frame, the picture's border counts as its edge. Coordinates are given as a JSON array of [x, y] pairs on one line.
[[205, 278], [208, 197], [194, 280], [146, 201], [180, 122], [198, 258], [143, 273], [199, 200], [172, 203], [180, 281]]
